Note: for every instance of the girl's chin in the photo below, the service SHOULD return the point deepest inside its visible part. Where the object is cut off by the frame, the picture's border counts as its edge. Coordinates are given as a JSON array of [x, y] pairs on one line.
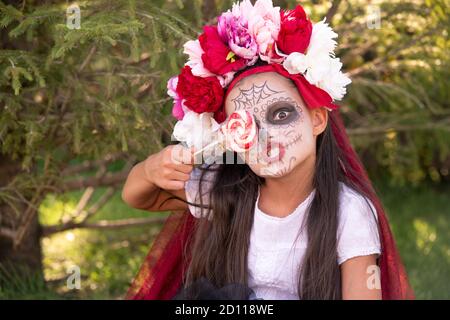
[[272, 170]]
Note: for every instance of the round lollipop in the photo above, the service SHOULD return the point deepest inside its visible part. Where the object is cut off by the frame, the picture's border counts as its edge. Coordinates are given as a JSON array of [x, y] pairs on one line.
[[240, 131]]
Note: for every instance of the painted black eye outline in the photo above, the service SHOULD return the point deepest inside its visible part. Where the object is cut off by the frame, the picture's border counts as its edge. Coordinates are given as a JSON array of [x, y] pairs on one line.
[[279, 107]]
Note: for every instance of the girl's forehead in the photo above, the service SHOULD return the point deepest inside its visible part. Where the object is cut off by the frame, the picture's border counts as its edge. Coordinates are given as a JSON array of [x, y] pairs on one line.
[[273, 79], [257, 88]]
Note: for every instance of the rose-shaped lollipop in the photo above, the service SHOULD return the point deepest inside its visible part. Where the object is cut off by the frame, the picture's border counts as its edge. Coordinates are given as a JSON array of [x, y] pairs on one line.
[[240, 131]]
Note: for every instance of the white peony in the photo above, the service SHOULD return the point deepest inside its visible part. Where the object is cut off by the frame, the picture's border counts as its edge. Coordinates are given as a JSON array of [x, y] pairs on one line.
[[318, 65], [322, 39], [243, 10], [335, 81], [197, 130], [295, 63]]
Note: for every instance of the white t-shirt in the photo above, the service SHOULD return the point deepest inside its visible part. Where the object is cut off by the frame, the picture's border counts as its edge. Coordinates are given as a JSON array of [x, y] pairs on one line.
[[275, 251]]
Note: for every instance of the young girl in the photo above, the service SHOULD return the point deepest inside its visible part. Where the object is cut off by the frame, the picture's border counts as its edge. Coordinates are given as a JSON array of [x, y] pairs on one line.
[[300, 222]]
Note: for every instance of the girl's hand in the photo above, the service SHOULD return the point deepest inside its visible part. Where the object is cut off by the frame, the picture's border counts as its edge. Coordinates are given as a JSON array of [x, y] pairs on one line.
[[169, 169]]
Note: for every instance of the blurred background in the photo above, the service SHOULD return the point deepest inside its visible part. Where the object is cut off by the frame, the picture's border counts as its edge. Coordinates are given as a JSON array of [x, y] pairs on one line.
[[80, 106]]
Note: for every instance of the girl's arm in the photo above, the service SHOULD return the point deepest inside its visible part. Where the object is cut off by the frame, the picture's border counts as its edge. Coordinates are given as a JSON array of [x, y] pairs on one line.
[[360, 279], [161, 176]]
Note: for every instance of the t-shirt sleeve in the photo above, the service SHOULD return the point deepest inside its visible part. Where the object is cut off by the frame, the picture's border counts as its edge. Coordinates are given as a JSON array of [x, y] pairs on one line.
[[192, 188], [358, 227]]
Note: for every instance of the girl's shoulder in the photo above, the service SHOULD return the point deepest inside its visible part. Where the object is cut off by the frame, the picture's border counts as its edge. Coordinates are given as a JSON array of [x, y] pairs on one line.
[[353, 203], [357, 232]]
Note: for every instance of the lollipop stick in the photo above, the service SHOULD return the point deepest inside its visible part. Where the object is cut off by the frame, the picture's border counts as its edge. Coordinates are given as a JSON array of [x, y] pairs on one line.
[[206, 147]]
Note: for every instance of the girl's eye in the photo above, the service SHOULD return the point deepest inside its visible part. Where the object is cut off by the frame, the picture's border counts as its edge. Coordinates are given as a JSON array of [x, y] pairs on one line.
[[281, 113]]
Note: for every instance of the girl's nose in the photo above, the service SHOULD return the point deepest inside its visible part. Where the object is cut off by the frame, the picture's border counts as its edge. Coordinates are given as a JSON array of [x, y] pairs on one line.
[[258, 124]]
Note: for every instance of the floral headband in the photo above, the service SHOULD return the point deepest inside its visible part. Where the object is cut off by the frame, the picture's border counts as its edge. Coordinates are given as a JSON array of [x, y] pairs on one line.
[[286, 40]]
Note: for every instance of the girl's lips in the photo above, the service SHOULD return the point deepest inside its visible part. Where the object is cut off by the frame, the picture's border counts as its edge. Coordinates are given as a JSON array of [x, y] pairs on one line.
[[273, 152]]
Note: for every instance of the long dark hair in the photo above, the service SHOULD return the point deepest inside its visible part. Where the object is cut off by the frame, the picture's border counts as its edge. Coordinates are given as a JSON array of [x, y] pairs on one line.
[[219, 248]]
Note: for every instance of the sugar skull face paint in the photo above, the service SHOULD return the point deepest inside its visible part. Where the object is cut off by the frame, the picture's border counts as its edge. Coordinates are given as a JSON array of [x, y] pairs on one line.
[[286, 133]]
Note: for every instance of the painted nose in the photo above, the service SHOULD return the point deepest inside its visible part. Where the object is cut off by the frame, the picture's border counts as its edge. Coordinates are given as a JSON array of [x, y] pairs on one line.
[[258, 124]]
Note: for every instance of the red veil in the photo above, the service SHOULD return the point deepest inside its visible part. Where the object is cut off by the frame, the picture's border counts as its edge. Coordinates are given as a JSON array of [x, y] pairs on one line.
[[161, 274]]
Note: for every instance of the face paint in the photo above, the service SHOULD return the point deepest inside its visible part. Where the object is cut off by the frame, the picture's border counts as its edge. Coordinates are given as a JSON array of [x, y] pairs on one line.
[[286, 137]]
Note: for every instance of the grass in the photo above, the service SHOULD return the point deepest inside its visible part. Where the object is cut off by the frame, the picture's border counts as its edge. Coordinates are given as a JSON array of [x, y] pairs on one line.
[[420, 220], [108, 260], [24, 284]]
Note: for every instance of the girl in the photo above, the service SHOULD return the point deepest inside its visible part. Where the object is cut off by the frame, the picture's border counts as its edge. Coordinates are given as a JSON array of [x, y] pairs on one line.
[[300, 222]]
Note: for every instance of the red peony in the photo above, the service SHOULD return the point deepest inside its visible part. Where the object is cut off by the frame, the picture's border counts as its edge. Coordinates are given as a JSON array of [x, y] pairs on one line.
[[218, 57], [220, 115], [199, 94], [295, 31]]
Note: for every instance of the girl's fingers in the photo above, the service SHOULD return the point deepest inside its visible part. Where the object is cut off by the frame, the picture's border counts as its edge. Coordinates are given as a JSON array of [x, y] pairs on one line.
[[184, 168], [180, 159], [182, 155], [177, 175], [174, 185]]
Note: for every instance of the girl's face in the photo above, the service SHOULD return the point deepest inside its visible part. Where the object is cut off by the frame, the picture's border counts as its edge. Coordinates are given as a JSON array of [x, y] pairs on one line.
[[287, 127]]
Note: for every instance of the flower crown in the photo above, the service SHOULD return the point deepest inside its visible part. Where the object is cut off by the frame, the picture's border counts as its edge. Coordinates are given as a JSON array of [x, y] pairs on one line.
[[241, 37]]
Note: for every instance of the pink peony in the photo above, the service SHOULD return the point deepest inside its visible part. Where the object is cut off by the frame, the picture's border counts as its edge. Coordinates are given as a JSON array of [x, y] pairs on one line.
[[233, 30], [178, 109], [264, 26]]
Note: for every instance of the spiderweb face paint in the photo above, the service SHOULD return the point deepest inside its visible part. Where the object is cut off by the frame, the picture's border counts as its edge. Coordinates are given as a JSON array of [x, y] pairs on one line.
[[253, 96]]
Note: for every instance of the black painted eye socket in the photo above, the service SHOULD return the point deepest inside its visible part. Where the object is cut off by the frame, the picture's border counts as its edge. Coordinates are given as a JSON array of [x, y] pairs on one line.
[[281, 113]]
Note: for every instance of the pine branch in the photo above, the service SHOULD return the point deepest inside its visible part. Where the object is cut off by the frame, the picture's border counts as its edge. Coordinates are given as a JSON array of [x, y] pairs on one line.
[[170, 26], [332, 12], [90, 165], [443, 125], [106, 196], [7, 233], [88, 58], [392, 53], [107, 179], [103, 224]]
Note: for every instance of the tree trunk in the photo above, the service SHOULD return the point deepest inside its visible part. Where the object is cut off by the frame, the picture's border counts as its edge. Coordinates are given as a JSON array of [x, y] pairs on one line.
[[27, 257]]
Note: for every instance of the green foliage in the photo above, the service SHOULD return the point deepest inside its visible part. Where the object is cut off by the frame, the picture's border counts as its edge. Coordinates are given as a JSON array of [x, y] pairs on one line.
[[21, 283], [108, 260], [397, 109], [419, 218], [88, 91]]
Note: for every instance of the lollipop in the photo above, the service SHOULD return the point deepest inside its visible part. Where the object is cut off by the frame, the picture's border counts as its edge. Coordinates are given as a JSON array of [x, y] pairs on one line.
[[238, 133]]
